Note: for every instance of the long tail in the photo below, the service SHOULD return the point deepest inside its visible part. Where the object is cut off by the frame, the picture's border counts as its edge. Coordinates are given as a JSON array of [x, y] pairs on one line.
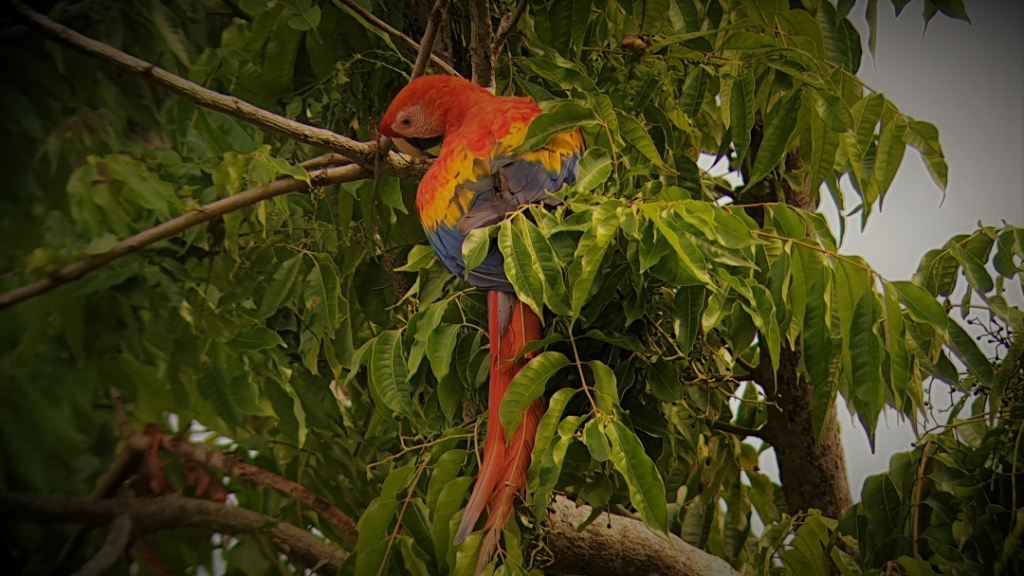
[[503, 473]]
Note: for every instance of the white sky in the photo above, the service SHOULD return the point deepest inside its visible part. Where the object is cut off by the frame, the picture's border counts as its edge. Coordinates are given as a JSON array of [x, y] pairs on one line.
[[968, 80]]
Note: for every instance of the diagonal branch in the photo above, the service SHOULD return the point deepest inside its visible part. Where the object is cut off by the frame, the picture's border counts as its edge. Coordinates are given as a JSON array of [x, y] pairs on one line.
[[621, 546], [397, 35], [148, 515], [233, 466], [178, 225], [427, 44], [480, 43], [362, 152], [505, 28], [113, 548]]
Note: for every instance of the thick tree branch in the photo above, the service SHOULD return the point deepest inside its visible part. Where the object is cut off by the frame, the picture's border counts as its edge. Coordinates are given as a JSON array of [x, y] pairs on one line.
[[233, 466], [621, 546], [148, 515], [397, 35], [362, 152], [505, 27], [480, 43], [113, 548], [429, 35], [178, 225]]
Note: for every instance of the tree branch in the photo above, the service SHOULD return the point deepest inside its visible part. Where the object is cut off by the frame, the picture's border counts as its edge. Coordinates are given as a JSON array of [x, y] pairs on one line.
[[621, 546], [233, 466], [480, 56], [362, 152], [734, 429], [148, 515], [427, 44], [178, 225], [505, 28], [113, 548], [397, 35]]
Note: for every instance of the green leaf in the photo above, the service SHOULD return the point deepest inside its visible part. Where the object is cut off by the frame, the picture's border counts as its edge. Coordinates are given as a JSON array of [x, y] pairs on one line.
[[441, 349], [590, 252], [921, 305], [780, 125], [637, 135], [419, 257], [866, 362], [566, 117], [256, 338], [322, 292], [646, 489], [594, 169], [546, 430], [695, 89], [967, 350], [974, 267], [521, 264], [527, 386], [170, 32], [817, 338], [389, 376], [605, 386], [741, 110], [280, 286], [689, 306], [924, 137]]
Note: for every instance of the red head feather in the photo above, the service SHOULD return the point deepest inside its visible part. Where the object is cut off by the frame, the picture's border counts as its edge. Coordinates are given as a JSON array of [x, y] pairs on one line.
[[431, 106]]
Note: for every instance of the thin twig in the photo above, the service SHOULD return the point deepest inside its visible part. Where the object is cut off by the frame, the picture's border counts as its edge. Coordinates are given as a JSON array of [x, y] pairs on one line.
[[113, 547], [505, 28], [264, 119], [480, 55], [325, 161], [178, 225], [234, 466], [737, 430], [397, 35], [917, 495], [150, 515], [427, 44]]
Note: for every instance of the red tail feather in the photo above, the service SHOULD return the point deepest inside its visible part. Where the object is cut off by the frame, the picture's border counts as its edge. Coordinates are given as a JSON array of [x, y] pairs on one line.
[[503, 473]]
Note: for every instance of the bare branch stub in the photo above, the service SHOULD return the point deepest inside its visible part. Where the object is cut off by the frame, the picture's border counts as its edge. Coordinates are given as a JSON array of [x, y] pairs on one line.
[[397, 35], [112, 550], [505, 28], [429, 35]]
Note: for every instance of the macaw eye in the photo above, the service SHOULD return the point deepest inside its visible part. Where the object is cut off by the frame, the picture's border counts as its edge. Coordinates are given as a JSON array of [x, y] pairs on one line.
[[406, 121]]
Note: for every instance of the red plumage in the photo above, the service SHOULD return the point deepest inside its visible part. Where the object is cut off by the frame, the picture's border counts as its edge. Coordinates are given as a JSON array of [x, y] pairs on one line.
[[475, 181]]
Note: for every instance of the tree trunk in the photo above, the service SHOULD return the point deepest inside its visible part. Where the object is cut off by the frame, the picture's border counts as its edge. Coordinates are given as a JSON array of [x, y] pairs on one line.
[[811, 476]]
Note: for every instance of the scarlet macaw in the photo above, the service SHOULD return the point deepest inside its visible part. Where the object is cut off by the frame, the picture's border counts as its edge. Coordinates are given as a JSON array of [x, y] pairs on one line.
[[477, 179]]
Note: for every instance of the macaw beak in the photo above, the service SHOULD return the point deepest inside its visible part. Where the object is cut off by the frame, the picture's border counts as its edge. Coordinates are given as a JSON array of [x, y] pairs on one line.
[[417, 147]]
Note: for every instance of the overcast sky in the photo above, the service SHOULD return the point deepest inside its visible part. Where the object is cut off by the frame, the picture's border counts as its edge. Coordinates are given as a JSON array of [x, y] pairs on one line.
[[968, 80]]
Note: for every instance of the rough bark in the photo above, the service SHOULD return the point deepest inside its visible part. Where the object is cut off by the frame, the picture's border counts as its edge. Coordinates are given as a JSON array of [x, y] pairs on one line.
[[615, 545], [420, 11], [812, 476], [148, 515]]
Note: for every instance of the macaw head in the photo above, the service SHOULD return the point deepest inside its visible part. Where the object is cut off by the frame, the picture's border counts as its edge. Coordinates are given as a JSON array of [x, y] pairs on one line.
[[428, 108]]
